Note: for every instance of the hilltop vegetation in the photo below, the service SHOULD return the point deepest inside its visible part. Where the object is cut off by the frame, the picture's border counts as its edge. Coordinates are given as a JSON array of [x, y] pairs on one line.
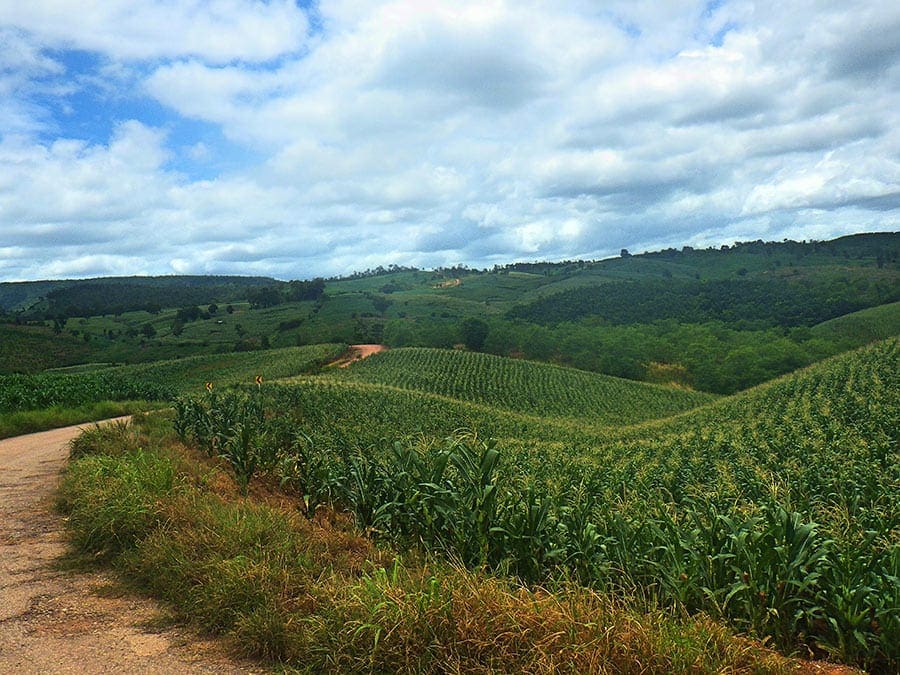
[[756, 302], [718, 320], [115, 295]]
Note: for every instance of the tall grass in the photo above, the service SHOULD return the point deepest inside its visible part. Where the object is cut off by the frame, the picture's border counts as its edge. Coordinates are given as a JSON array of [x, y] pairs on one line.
[[29, 421]]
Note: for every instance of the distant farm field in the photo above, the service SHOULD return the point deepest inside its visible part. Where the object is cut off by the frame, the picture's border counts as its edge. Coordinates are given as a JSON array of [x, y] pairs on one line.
[[81, 388]]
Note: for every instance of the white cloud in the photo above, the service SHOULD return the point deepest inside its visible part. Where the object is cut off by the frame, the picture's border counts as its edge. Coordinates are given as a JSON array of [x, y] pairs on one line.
[[215, 30], [22, 65], [441, 132], [69, 179]]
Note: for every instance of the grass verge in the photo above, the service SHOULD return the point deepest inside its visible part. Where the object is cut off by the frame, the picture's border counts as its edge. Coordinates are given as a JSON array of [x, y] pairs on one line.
[[30, 421], [316, 596]]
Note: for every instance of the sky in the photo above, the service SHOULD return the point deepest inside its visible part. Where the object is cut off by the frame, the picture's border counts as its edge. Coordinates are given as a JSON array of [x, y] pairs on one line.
[[302, 139]]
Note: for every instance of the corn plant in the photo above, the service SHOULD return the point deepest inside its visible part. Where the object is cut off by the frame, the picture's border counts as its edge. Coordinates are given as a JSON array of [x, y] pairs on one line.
[[527, 537], [310, 472], [228, 426], [240, 450]]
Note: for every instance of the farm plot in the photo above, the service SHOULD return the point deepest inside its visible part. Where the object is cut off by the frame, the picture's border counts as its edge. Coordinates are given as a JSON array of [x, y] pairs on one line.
[[775, 509], [526, 386]]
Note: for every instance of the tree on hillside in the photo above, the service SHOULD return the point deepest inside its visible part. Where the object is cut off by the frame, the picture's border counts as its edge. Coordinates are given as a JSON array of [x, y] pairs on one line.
[[306, 290], [474, 333], [380, 302], [264, 297], [188, 314]]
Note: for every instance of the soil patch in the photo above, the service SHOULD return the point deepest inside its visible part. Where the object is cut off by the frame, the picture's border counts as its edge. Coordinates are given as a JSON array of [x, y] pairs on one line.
[[357, 353]]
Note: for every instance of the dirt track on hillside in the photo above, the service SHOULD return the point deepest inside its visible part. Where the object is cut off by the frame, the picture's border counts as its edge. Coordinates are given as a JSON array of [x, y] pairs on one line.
[[63, 622], [357, 353]]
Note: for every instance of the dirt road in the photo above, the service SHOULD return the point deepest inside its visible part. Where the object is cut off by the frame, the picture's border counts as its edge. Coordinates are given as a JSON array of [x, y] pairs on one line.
[[60, 622], [357, 353]]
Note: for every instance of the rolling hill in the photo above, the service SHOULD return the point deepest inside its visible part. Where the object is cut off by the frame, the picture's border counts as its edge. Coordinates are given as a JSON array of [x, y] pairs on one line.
[[776, 509], [523, 386], [717, 320]]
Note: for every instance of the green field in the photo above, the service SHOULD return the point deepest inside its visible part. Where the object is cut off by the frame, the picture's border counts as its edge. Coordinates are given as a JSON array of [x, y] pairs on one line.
[[862, 327], [524, 386], [80, 394], [754, 508], [157, 381]]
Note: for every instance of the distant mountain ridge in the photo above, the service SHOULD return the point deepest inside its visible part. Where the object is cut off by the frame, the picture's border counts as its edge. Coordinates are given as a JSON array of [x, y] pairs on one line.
[[883, 246], [28, 295]]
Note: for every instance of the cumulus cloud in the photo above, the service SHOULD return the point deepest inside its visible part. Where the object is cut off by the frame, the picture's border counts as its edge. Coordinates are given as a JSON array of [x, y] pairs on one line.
[[22, 68], [217, 30], [358, 133]]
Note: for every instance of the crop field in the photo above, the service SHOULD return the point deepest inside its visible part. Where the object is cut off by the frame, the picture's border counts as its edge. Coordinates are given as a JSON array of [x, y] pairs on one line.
[[862, 327], [190, 374], [777, 510], [34, 392], [524, 386], [157, 381]]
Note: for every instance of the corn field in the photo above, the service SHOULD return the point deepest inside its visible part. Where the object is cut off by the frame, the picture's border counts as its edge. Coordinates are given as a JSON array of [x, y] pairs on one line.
[[524, 386], [158, 381], [34, 392], [777, 509]]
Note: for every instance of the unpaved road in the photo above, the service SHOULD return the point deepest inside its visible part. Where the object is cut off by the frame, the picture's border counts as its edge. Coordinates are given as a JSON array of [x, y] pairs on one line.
[[63, 622], [357, 353]]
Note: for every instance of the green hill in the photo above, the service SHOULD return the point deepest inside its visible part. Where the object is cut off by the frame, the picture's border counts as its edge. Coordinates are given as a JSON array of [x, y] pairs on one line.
[[31, 349], [524, 386], [862, 327], [434, 392], [346, 416], [114, 295], [824, 438], [717, 320]]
